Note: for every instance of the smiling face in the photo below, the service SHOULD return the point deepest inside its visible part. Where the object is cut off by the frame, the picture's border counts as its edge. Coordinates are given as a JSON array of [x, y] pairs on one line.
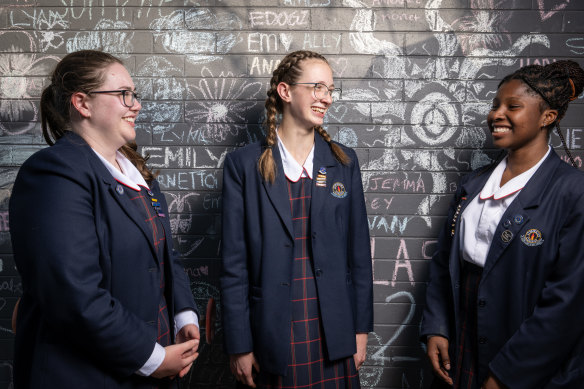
[[307, 110], [516, 119], [111, 122]]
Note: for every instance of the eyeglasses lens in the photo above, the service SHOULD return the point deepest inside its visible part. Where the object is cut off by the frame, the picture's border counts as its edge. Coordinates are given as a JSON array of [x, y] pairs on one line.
[[130, 97]]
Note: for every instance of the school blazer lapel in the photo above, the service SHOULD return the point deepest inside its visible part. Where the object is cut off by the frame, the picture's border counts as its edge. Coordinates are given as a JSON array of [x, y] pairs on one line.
[[323, 157], [278, 193], [519, 211], [117, 192]]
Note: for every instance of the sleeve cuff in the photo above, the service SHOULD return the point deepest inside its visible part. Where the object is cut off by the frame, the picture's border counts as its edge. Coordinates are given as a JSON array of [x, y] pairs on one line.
[[181, 319], [154, 362]]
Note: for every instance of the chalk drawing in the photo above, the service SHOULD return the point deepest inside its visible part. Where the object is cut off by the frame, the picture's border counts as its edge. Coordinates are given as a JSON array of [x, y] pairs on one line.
[[15, 87], [371, 375], [181, 217], [548, 8], [109, 35], [221, 102], [576, 45]]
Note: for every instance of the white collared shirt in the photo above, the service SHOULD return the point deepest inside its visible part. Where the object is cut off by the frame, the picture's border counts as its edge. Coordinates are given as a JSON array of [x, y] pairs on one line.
[[292, 169], [131, 177], [482, 216]]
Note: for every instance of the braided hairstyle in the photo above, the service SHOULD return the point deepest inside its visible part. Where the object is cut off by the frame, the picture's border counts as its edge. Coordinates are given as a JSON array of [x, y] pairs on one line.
[[288, 71], [80, 71], [557, 84]]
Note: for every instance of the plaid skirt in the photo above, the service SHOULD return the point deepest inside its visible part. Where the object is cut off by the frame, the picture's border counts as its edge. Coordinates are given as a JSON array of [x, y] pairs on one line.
[[467, 347], [308, 365]]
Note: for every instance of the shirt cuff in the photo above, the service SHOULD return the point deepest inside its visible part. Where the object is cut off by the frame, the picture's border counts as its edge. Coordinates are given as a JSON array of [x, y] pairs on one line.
[[181, 319], [154, 362]]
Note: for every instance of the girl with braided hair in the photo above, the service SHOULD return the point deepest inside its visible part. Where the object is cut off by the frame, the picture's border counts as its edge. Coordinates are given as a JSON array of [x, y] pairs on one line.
[[296, 280], [504, 303]]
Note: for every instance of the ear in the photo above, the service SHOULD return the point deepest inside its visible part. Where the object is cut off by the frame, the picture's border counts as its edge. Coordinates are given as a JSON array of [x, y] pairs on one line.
[[284, 92], [80, 101], [548, 117]]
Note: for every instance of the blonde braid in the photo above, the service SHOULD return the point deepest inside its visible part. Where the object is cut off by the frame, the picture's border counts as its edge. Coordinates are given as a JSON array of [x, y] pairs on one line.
[[338, 152]]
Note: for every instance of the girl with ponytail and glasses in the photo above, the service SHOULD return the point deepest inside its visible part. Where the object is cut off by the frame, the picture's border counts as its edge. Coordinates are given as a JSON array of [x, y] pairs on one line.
[[504, 302], [106, 302], [296, 280]]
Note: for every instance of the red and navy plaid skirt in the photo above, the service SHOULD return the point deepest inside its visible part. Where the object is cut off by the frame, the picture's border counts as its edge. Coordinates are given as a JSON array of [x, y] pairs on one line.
[[467, 347], [308, 365]]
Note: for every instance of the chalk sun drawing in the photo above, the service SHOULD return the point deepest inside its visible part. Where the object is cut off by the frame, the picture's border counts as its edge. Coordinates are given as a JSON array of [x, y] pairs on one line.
[[220, 102]]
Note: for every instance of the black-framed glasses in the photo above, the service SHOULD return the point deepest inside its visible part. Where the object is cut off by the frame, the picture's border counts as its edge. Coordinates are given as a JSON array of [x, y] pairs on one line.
[[321, 91], [129, 97]]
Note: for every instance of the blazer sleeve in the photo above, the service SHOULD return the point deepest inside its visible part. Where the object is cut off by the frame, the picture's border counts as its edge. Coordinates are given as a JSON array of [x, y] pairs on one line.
[[360, 253], [57, 249], [553, 329], [234, 275]]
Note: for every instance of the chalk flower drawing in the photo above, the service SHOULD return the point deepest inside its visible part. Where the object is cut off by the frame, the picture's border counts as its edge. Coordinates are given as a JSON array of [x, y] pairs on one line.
[[16, 104], [221, 102]]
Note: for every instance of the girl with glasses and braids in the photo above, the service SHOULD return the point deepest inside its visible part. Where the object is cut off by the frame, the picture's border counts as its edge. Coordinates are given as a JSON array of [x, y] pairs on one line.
[[504, 303], [106, 301], [296, 280]]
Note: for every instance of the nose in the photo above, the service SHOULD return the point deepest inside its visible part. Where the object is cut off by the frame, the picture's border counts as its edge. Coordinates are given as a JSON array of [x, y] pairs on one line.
[[328, 98], [137, 105], [496, 114]]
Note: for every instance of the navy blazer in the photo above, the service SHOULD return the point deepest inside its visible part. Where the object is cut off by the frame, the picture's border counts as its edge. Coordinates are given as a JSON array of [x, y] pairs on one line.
[[531, 295], [90, 274], [258, 256]]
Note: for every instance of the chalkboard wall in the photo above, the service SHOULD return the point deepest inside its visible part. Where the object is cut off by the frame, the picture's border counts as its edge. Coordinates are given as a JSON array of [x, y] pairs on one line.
[[417, 78]]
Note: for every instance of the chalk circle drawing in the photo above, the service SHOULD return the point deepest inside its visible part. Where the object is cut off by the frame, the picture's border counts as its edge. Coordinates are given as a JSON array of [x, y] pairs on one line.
[[109, 35], [434, 118], [16, 103]]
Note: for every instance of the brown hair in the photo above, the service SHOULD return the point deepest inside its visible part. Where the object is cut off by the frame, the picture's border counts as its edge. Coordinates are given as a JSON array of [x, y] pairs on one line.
[[80, 71], [557, 84], [288, 71]]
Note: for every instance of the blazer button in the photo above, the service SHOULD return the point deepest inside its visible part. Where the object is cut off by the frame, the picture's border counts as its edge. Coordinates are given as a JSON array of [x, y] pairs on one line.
[[482, 303], [483, 340], [456, 285], [318, 273]]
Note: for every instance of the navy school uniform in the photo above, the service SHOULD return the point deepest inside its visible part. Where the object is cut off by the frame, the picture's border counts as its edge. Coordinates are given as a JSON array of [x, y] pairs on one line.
[[94, 266], [296, 262], [528, 300]]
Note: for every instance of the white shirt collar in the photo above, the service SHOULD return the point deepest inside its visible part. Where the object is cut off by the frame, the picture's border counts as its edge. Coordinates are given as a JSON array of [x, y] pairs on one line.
[[292, 169], [492, 188], [130, 175]]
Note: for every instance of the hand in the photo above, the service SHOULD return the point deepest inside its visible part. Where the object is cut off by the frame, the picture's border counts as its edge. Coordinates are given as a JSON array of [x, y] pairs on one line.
[[439, 358], [241, 367], [177, 358], [493, 383], [188, 332], [361, 354]]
